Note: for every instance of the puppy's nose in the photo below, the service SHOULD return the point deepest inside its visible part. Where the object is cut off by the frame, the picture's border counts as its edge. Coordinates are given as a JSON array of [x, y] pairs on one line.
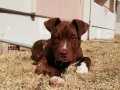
[[63, 52]]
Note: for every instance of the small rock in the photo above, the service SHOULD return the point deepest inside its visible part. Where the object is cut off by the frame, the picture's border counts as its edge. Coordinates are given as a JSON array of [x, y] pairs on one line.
[[56, 81]]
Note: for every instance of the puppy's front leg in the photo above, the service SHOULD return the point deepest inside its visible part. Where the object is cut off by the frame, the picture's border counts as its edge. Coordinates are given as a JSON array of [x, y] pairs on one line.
[[41, 66], [44, 68]]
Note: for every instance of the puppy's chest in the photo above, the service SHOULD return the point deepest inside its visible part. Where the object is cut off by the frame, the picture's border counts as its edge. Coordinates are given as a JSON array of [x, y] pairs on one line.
[[61, 66]]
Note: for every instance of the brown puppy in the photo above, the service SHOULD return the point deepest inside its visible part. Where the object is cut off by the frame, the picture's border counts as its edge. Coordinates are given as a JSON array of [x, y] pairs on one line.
[[62, 49]]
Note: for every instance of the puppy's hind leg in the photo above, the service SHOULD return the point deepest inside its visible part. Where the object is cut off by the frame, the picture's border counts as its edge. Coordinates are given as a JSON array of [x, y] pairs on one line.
[[38, 51]]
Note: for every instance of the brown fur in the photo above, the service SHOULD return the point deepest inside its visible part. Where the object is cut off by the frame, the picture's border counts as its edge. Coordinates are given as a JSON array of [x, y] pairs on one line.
[[53, 58]]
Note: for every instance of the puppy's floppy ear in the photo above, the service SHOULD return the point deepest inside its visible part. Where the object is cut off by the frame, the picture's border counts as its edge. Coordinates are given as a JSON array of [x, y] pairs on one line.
[[80, 26], [52, 23]]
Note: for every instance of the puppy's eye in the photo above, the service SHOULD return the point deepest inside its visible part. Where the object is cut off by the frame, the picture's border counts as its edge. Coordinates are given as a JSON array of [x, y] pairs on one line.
[[56, 39]]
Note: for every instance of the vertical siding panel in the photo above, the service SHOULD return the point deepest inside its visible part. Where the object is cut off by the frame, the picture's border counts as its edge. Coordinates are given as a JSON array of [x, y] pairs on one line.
[[67, 9]]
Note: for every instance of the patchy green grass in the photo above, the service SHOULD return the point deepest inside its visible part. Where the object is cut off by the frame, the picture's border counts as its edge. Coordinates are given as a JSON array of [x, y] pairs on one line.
[[17, 71]]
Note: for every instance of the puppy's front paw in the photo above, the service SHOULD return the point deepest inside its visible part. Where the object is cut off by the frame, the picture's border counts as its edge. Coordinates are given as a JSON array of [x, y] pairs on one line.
[[56, 81], [82, 69], [83, 66]]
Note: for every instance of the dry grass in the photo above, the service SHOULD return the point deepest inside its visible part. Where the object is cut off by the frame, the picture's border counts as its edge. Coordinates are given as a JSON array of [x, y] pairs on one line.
[[117, 38], [17, 72]]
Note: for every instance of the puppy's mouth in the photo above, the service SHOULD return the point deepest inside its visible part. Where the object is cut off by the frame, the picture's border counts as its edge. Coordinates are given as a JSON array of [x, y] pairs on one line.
[[63, 59]]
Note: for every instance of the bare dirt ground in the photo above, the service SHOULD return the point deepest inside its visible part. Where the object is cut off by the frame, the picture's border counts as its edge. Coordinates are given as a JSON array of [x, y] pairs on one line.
[[17, 71]]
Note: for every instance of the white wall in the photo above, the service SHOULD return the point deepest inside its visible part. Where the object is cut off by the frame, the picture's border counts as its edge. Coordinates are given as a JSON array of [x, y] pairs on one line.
[[102, 17], [22, 30], [20, 5], [101, 34]]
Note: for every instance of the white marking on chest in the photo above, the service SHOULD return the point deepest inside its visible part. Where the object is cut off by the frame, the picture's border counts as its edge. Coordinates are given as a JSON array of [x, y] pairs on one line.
[[65, 45], [82, 68]]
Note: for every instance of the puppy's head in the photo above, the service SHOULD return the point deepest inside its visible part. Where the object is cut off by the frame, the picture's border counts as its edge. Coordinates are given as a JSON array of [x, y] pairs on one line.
[[66, 38]]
